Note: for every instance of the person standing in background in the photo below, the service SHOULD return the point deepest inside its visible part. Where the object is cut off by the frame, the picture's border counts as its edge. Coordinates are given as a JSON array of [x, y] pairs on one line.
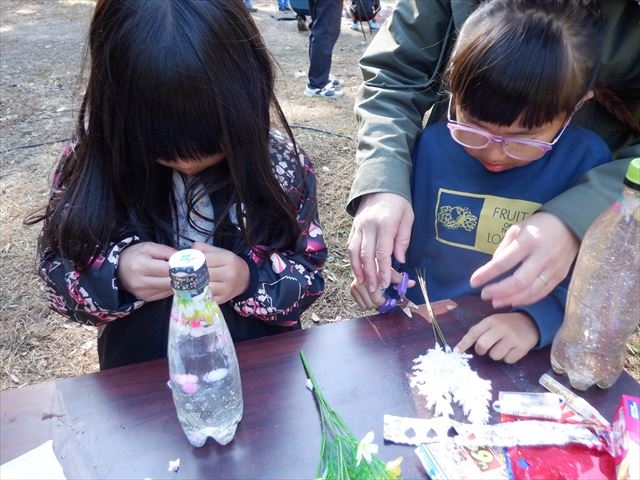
[[324, 30], [364, 11]]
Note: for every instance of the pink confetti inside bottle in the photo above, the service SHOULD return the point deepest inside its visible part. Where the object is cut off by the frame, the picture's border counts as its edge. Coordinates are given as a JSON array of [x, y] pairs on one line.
[[203, 368], [604, 294]]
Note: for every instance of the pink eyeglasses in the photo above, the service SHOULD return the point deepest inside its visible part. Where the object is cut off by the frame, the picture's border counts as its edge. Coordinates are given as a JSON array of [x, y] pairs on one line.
[[519, 148]]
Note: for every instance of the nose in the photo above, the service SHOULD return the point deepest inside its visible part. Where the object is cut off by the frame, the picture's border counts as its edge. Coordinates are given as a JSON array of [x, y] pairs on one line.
[[493, 153]]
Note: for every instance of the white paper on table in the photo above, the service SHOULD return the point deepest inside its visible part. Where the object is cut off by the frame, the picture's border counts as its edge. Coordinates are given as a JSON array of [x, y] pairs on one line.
[[40, 463]]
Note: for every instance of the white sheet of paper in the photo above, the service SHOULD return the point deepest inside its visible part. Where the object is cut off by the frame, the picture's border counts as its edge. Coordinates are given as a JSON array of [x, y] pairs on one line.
[[40, 463]]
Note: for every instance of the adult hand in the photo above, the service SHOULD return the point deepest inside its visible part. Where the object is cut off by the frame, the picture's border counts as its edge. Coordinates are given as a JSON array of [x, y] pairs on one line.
[[228, 273], [545, 249], [504, 336], [381, 227], [143, 270]]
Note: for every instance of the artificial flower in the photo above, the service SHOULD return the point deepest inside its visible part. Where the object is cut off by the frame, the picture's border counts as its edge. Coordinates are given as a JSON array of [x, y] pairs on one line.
[[340, 451], [366, 448], [446, 377], [393, 468]]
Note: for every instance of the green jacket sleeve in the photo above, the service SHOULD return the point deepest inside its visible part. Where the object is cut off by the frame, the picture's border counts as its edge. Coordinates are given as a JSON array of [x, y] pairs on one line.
[[401, 70], [579, 206], [620, 71]]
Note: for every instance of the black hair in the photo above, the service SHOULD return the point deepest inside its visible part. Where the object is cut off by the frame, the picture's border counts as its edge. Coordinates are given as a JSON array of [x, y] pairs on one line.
[[527, 60], [170, 80]]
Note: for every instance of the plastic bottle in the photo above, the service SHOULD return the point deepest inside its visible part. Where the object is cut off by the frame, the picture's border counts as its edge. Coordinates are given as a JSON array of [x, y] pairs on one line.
[[603, 304], [203, 367]]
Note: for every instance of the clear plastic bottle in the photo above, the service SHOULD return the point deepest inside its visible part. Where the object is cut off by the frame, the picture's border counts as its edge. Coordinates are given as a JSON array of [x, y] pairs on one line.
[[203, 367], [603, 304]]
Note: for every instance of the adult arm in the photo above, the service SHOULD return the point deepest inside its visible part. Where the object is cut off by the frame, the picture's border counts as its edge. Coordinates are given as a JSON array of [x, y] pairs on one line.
[[401, 70], [547, 243]]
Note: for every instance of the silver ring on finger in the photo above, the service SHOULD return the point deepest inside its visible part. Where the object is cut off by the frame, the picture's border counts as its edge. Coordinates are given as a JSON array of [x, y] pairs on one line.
[[543, 279]]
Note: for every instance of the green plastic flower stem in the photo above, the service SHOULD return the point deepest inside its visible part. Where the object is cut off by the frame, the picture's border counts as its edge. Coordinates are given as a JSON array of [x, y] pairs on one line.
[[339, 446]]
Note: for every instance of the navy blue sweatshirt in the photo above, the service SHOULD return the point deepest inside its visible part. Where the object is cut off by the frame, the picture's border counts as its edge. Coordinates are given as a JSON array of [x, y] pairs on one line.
[[462, 211]]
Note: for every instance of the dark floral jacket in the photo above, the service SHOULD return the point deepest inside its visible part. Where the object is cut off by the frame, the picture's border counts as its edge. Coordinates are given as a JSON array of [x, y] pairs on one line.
[[281, 287]]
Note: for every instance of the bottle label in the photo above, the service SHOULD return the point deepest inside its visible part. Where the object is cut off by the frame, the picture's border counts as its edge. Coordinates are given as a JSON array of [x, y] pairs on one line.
[[186, 278]]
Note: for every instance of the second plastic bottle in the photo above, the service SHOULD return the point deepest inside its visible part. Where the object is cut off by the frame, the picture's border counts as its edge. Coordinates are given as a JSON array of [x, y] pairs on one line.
[[604, 295], [203, 368]]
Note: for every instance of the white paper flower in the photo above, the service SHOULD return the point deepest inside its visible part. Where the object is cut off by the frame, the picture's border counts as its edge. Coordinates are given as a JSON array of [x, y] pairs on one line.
[[446, 377], [366, 448]]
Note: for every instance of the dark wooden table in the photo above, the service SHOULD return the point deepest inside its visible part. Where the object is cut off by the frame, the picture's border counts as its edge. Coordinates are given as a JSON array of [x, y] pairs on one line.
[[121, 423]]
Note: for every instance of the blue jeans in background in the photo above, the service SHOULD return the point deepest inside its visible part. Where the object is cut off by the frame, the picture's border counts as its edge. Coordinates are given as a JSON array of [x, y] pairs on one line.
[[326, 18]]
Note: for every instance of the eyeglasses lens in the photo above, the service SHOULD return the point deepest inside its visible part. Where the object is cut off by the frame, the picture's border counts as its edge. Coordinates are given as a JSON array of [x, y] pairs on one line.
[[515, 149], [522, 151], [470, 139]]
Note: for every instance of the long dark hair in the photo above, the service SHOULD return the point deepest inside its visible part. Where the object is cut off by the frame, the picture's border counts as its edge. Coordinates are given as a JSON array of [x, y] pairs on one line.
[[528, 60], [169, 80]]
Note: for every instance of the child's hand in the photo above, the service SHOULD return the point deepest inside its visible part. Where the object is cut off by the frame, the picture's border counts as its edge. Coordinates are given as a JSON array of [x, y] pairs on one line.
[[371, 301], [505, 336], [143, 270], [228, 273]]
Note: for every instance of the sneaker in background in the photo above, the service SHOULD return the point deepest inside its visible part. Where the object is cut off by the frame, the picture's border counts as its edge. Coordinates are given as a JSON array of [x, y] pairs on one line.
[[373, 25], [335, 82], [355, 26], [328, 91]]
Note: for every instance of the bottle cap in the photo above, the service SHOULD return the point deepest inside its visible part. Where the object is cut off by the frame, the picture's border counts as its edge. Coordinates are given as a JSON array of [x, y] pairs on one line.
[[633, 174], [188, 270]]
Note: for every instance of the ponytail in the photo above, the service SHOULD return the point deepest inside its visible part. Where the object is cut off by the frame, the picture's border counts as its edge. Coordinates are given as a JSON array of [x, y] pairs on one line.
[[613, 104]]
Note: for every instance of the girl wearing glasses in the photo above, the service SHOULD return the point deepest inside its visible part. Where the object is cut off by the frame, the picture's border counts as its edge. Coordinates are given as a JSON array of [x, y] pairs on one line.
[[402, 70], [518, 73]]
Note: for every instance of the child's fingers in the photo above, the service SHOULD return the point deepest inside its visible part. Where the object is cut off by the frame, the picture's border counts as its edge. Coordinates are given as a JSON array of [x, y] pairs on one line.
[[159, 251], [155, 268], [396, 277], [156, 292], [500, 348], [515, 354], [471, 337], [361, 295], [365, 299], [148, 289]]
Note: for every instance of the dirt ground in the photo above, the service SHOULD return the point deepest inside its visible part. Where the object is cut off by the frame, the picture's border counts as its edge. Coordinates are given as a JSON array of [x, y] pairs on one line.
[[41, 51]]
